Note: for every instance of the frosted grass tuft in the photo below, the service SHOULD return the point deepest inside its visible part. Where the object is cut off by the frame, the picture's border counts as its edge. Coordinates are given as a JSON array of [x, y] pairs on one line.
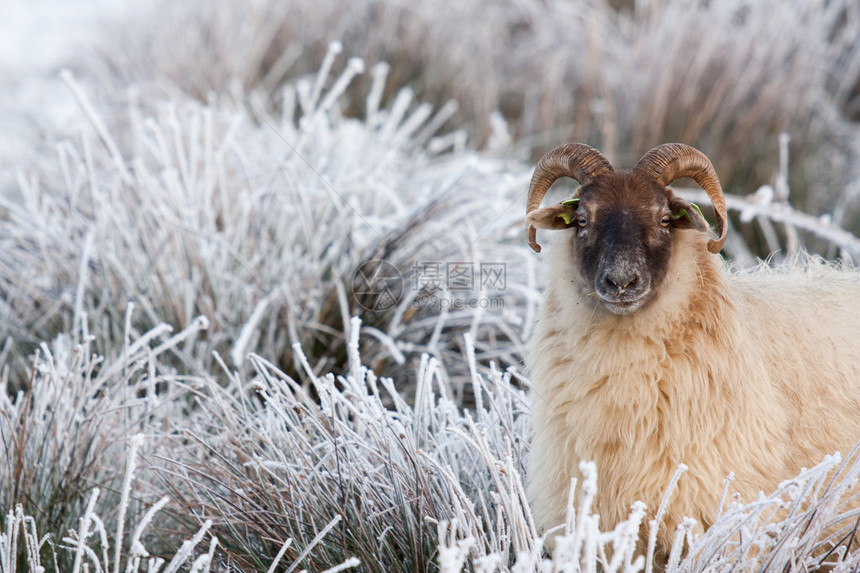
[[220, 216]]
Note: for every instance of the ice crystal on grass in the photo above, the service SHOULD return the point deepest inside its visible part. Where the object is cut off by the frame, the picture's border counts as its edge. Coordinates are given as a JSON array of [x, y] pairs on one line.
[[335, 449], [261, 223], [61, 436], [90, 544]]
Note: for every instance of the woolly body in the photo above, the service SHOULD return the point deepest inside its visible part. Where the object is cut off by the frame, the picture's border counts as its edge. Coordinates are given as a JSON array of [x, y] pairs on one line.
[[753, 373]]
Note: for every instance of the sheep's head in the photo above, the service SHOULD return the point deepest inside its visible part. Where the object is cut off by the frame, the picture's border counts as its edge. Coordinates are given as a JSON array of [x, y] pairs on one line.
[[623, 223]]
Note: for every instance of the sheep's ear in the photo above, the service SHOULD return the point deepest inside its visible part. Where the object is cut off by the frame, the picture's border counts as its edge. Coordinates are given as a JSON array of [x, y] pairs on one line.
[[687, 215], [559, 216]]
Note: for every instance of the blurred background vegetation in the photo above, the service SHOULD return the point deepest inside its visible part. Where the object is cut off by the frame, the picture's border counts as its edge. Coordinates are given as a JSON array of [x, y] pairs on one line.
[[725, 76]]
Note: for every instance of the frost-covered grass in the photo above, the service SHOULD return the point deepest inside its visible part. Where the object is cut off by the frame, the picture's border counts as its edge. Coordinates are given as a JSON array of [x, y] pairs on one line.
[[194, 369], [61, 435], [260, 223], [326, 476], [71, 488]]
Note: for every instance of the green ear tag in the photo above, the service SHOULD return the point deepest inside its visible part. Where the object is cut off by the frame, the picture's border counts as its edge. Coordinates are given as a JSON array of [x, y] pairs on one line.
[[566, 216], [699, 211], [684, 213]]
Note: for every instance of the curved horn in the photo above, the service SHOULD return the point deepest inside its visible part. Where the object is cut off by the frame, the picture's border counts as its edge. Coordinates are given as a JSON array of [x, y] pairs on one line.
[[671, 161], [575, 160]]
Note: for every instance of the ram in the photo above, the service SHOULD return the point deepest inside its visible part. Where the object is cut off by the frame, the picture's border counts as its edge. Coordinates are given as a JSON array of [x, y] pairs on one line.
[[649, 353]]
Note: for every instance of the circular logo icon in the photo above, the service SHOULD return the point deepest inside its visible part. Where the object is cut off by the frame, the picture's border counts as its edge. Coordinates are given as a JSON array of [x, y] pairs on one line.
[[377, 285]]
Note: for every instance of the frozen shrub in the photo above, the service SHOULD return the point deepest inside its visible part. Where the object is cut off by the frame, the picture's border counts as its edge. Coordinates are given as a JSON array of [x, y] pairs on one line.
[[62, 436], [261, 223]]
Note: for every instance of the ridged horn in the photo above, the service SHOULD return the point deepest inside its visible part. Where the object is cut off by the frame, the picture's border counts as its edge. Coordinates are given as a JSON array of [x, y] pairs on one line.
[[671, 161], [575, 160]]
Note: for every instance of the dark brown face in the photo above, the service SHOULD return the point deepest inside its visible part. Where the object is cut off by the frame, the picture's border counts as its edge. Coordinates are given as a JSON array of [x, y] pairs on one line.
[[623, 238], [623, 226], [624, 223]]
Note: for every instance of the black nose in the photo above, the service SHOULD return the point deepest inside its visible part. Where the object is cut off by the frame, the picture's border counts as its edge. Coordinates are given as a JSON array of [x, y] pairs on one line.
[[620, 281]]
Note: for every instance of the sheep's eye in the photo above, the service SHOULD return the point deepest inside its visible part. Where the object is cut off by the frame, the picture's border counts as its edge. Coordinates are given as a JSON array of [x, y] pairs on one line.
[[581, 221], [666, 220]]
